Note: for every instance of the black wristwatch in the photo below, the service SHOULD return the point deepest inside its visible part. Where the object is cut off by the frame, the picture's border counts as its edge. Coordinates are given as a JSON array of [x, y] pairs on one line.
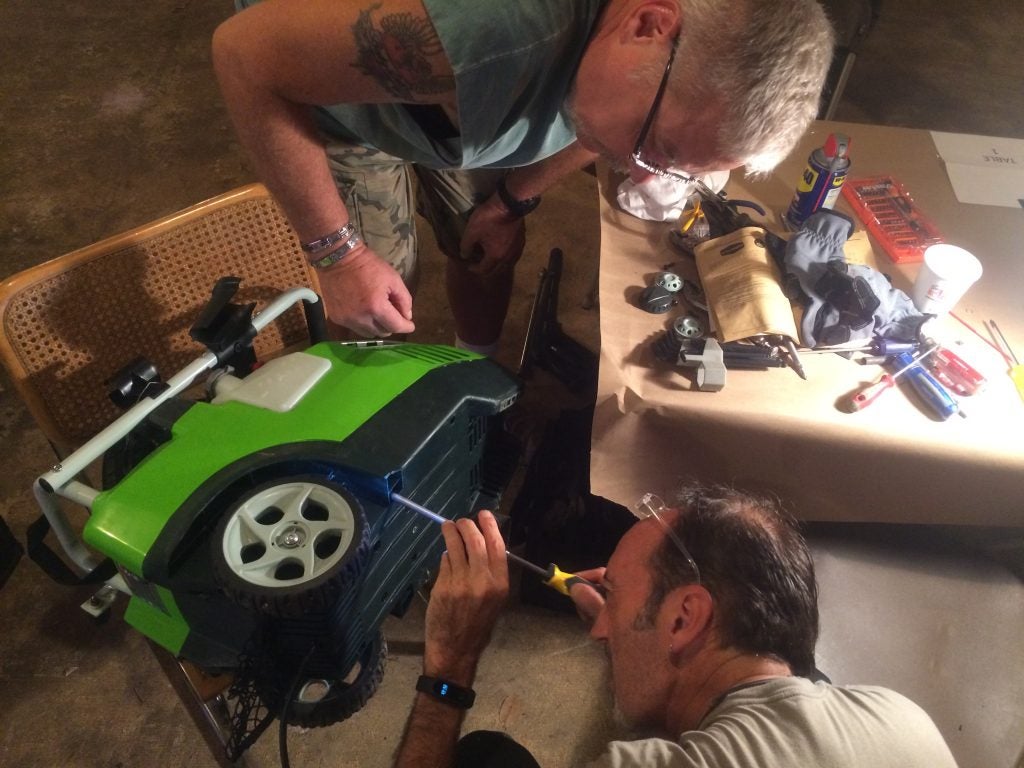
[[446, 691], [518, 208]]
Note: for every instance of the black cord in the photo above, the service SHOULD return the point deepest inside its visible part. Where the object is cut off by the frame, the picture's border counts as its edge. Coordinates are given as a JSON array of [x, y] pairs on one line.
[[282, 733]]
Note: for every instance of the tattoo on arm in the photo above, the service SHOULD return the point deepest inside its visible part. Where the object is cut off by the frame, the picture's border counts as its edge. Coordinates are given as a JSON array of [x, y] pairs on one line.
[[398, 53]]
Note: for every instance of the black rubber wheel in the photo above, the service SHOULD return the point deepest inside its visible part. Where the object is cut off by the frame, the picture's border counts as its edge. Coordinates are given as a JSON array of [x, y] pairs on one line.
[[318, 702], [290, 546]]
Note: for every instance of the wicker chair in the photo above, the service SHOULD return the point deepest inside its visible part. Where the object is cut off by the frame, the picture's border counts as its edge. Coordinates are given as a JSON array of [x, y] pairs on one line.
[[71, 323]]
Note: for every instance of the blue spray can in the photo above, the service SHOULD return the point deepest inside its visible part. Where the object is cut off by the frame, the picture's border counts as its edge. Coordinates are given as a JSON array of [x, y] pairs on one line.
[[822, 180]]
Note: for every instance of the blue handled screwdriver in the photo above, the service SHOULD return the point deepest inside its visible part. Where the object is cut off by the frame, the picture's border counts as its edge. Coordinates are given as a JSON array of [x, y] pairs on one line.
[[553, 576], [928, 389], [866, 396], [879, 347]]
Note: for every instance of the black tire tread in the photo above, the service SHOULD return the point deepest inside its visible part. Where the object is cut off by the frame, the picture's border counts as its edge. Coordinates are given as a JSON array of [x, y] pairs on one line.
[[292, 602], [344, 702]]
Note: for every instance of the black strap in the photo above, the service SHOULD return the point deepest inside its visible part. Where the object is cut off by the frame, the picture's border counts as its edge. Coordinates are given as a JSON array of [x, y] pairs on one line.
[[517, 208], [53, 566], [446, 691]]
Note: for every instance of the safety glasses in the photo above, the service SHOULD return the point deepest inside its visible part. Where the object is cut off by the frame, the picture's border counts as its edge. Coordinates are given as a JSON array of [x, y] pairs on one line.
[[639, 158], [651, 505]]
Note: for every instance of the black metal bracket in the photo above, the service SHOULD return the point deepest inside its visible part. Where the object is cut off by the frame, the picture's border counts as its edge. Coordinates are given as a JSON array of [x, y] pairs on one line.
[[547, 346]]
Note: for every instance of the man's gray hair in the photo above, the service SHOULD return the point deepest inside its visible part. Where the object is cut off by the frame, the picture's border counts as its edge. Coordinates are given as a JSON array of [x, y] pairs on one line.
[[763, 64]]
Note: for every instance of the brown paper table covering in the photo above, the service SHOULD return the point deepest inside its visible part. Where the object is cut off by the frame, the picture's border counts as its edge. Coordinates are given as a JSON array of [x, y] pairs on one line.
[[771, 431]]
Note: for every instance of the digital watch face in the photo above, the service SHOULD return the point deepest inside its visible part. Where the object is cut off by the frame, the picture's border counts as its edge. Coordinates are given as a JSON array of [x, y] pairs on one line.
[[446, 691]]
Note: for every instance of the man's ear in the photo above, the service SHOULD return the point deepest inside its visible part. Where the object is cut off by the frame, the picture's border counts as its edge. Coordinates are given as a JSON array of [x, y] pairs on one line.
[[691, 614], [652, 21]]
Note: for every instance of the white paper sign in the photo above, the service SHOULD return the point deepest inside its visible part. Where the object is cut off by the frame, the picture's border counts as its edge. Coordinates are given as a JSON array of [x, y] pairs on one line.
[[984, 170]]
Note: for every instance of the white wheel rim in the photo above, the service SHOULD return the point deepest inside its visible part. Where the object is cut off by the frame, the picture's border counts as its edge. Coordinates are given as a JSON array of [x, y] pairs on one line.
[[288, 534]]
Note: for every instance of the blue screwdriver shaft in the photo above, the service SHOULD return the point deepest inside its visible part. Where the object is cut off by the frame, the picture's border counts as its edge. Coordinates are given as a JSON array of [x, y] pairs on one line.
[[438, 519]]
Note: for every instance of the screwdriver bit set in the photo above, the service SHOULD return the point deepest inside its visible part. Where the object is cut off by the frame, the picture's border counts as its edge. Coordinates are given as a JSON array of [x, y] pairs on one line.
[[892, 217]]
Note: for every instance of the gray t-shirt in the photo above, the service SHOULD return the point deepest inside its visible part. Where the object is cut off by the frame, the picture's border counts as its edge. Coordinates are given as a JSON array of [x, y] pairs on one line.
[[791, 722]]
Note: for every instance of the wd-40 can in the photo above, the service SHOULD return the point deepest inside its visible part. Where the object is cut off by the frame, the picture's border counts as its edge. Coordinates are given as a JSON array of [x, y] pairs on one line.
[[823, 178]]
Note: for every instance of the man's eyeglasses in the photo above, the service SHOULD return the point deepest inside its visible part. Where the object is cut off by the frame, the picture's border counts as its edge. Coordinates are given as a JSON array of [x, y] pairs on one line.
[[651, 505], [638, 150]]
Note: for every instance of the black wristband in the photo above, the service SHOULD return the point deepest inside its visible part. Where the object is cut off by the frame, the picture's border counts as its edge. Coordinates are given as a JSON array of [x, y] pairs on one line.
[[517, 208], [446, 691]]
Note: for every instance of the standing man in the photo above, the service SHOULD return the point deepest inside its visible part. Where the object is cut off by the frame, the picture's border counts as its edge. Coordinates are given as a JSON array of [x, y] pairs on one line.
[[709, 618], [489, 104]]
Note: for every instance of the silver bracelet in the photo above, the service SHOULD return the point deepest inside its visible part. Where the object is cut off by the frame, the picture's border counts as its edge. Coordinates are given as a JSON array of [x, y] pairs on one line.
[[319, 246], [335, 256]]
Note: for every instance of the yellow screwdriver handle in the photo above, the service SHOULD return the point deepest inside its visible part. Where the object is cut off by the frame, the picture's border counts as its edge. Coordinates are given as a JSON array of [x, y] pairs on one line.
[[1017, 376], [559, 580]]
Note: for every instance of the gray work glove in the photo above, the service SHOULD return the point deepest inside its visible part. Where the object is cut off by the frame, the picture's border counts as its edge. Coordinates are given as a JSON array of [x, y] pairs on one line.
[[844, 302]]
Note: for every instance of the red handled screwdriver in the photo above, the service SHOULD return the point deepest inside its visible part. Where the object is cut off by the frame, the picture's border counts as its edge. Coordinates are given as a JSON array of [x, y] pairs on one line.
[[872, 392]]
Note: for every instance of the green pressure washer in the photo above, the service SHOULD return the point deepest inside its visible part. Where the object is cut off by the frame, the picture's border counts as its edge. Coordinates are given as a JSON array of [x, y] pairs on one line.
[[253, 527]]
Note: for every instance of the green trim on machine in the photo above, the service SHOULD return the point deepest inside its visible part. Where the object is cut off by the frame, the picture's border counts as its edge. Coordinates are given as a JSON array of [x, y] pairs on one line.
[[166, 627], [209, 437]]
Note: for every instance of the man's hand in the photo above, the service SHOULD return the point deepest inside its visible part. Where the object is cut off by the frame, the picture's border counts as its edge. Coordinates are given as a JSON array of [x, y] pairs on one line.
[[468, 596], [365, 293], [493, 236], [588, 600]]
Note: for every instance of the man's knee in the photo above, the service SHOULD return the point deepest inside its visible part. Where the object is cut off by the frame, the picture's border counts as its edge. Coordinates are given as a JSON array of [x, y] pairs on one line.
[[492, 749]]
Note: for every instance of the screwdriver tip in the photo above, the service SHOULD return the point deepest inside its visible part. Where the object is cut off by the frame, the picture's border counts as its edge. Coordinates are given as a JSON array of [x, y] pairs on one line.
[[794, 358]]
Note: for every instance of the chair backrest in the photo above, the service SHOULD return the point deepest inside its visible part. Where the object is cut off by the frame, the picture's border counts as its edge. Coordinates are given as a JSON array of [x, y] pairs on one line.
[[68, 325]]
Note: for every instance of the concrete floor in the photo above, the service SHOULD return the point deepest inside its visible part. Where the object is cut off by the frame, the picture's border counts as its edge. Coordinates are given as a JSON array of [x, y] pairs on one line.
[[112, 119]]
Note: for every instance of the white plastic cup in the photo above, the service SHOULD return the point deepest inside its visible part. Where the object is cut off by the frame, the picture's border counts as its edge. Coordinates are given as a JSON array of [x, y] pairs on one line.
[[946, 274]]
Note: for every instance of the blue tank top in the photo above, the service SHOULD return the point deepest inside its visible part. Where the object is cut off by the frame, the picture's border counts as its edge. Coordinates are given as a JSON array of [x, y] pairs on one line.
[[514, 62]]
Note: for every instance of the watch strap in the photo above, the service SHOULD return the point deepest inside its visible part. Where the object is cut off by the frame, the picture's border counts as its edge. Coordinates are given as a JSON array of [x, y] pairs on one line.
[[446, 691], [517, 208]]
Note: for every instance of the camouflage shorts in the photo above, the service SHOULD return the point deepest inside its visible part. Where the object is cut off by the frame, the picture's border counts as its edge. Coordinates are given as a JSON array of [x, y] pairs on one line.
[[378, 190]]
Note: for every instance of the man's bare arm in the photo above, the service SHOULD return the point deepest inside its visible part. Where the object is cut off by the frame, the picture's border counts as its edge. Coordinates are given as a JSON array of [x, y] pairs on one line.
[[277, 59], [468, 596], [274, 61], [532, 180], [432, 730]]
